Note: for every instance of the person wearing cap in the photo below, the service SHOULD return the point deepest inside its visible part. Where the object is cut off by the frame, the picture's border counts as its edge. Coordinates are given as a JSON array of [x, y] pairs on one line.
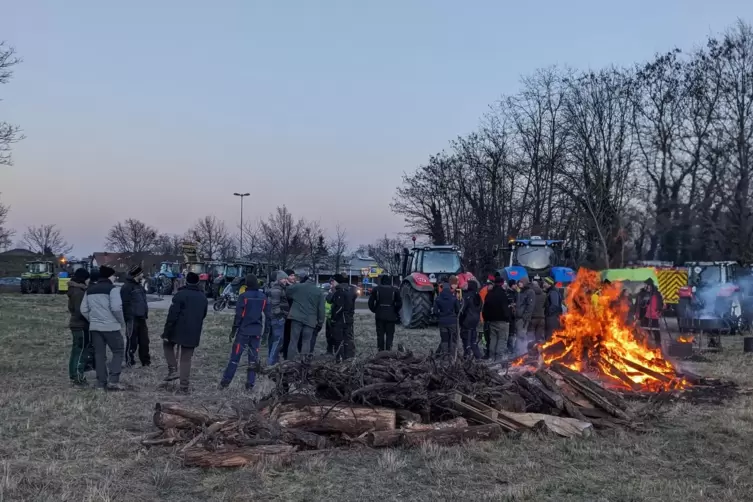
[[135, 312], [498, 314], [182, 332], [102, 306], [79, 327], [280, 308], [343, 299], [552, 308], [252, 315]]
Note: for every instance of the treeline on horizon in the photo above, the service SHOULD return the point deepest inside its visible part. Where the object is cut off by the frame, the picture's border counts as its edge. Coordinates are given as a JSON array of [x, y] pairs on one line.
[[648, 162]]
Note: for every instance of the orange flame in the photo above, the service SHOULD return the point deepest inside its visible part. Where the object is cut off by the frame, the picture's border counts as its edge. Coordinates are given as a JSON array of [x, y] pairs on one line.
[[595, 337], [685, 339]]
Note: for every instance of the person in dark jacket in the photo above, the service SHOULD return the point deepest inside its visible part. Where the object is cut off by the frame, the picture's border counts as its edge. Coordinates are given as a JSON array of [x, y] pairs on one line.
[[280, 309], [306, 315], [385, 303], [552, 308], [182, 332], [498, 314], [292, 279], [250, 313], [446, 309], [79, 327], [524, 308], [537, 327], [343, 299], [470, 317], [512, 291], [135, 312]]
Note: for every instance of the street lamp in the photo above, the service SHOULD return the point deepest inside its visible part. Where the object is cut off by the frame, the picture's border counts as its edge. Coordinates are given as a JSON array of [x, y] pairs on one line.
[[241, 195]]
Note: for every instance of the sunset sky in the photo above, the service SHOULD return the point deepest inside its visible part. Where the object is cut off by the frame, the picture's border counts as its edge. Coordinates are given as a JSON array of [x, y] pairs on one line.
[[160, 110]]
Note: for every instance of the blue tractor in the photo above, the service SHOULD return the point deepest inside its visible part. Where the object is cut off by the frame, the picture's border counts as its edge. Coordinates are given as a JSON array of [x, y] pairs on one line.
[[537, 257], [163, 280]]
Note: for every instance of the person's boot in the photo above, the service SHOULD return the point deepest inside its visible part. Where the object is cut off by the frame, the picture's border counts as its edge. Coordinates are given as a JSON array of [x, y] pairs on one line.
[[249, 387], [115, 387], [80, 383], [224, 384], [184, 390], [172, 374]]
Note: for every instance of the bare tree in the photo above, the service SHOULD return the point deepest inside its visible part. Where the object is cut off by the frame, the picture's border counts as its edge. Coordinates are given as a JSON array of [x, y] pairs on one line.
[[5, 233], [131, 236], [316, 247], [282, 238], [384, 251], [9, 133], [252, 240], [338, 247], [213, 240], [168, 244], [45, 239]]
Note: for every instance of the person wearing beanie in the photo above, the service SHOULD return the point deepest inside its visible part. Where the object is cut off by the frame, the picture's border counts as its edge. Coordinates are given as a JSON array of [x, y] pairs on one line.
[[306, 316], [343, 300], [252, 316], [135, 312], [102, 306], [552, 308], [182, 332], [447, 309], [385, 303], [279, 308], [79, 326]]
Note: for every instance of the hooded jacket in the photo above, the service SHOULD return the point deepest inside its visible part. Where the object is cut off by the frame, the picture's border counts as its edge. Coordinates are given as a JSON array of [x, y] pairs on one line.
[[76, 292], [251, 311], [526, 302], [447, 306], [278, 299], [133, 296], [103, 307], [307, 304], [385, 301], [343, 300], [470, 314], [539, 301], [497, 306], [185, 319]]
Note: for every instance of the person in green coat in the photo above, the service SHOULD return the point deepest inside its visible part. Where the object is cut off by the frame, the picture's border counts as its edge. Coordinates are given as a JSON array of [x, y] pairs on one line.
[[307, 315]]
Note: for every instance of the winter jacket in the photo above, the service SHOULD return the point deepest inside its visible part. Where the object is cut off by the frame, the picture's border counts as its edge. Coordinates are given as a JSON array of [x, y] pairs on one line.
[[185, 318], [526, 303], [539, 301], [103, 307], [307, 305], [497, 306], [343, 300], [650, 304], [385, 302], [447, 306], [249, 310], [76, 292], [553, 305], [278, 300], [470, 313], [134, 300]]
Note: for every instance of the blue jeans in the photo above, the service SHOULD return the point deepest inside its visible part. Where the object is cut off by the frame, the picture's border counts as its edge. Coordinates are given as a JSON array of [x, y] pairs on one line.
[[243, 341], [275, 340]]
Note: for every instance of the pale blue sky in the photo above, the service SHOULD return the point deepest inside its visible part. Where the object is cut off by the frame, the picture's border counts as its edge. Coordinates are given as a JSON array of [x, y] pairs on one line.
[[159, 110]]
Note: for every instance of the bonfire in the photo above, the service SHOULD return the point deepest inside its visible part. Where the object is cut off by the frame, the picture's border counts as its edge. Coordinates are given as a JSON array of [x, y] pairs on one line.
[[596, 339]]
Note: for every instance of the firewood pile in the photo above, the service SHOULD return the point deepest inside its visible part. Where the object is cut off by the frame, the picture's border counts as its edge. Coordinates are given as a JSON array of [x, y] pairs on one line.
[[390, 399]]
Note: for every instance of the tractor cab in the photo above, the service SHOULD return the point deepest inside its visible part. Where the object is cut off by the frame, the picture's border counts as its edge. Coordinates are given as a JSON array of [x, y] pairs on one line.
[[169, 269], [39, 267], [536, 256], [435, 262]]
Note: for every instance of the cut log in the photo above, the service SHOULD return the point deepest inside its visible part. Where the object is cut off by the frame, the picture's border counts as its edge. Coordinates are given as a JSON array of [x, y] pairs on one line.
[[236, 457], [617, 373], [304, 439], [440, 436], [168, 421], [208, 433], [599, 396], [159, 442], [478, 411], [449, 424], [533, 385], [565, 427], [327, 418], [197, 416], [404, 416], [654, 374]]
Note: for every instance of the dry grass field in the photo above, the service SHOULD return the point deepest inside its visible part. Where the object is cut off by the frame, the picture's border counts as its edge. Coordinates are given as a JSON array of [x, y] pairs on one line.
[[63, 443]]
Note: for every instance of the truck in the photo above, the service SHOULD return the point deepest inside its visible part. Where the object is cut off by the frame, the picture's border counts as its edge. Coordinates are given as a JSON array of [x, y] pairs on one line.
[[423, 270]]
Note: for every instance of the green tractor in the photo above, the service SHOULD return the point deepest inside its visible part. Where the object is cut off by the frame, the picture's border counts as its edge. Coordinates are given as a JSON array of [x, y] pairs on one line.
[[39, 278]]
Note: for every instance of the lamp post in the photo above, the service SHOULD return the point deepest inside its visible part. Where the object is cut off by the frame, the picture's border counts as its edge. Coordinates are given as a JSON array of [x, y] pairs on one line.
[[241, 195]]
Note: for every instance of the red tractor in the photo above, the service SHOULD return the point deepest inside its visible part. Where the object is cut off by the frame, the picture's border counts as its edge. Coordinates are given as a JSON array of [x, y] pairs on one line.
[[424, 269]]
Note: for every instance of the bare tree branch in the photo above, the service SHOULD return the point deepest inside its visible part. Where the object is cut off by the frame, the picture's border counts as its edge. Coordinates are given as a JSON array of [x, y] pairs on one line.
[[45, 239], [131, 236]]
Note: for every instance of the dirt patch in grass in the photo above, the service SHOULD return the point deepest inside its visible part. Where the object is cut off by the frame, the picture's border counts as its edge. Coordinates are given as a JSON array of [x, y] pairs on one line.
[[62, 443]]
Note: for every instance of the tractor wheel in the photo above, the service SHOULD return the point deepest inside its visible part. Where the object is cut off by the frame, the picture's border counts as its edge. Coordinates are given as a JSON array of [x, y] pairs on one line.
[[165, 286], [34, 286], [416, 310], [49, 287], [25, 287]]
